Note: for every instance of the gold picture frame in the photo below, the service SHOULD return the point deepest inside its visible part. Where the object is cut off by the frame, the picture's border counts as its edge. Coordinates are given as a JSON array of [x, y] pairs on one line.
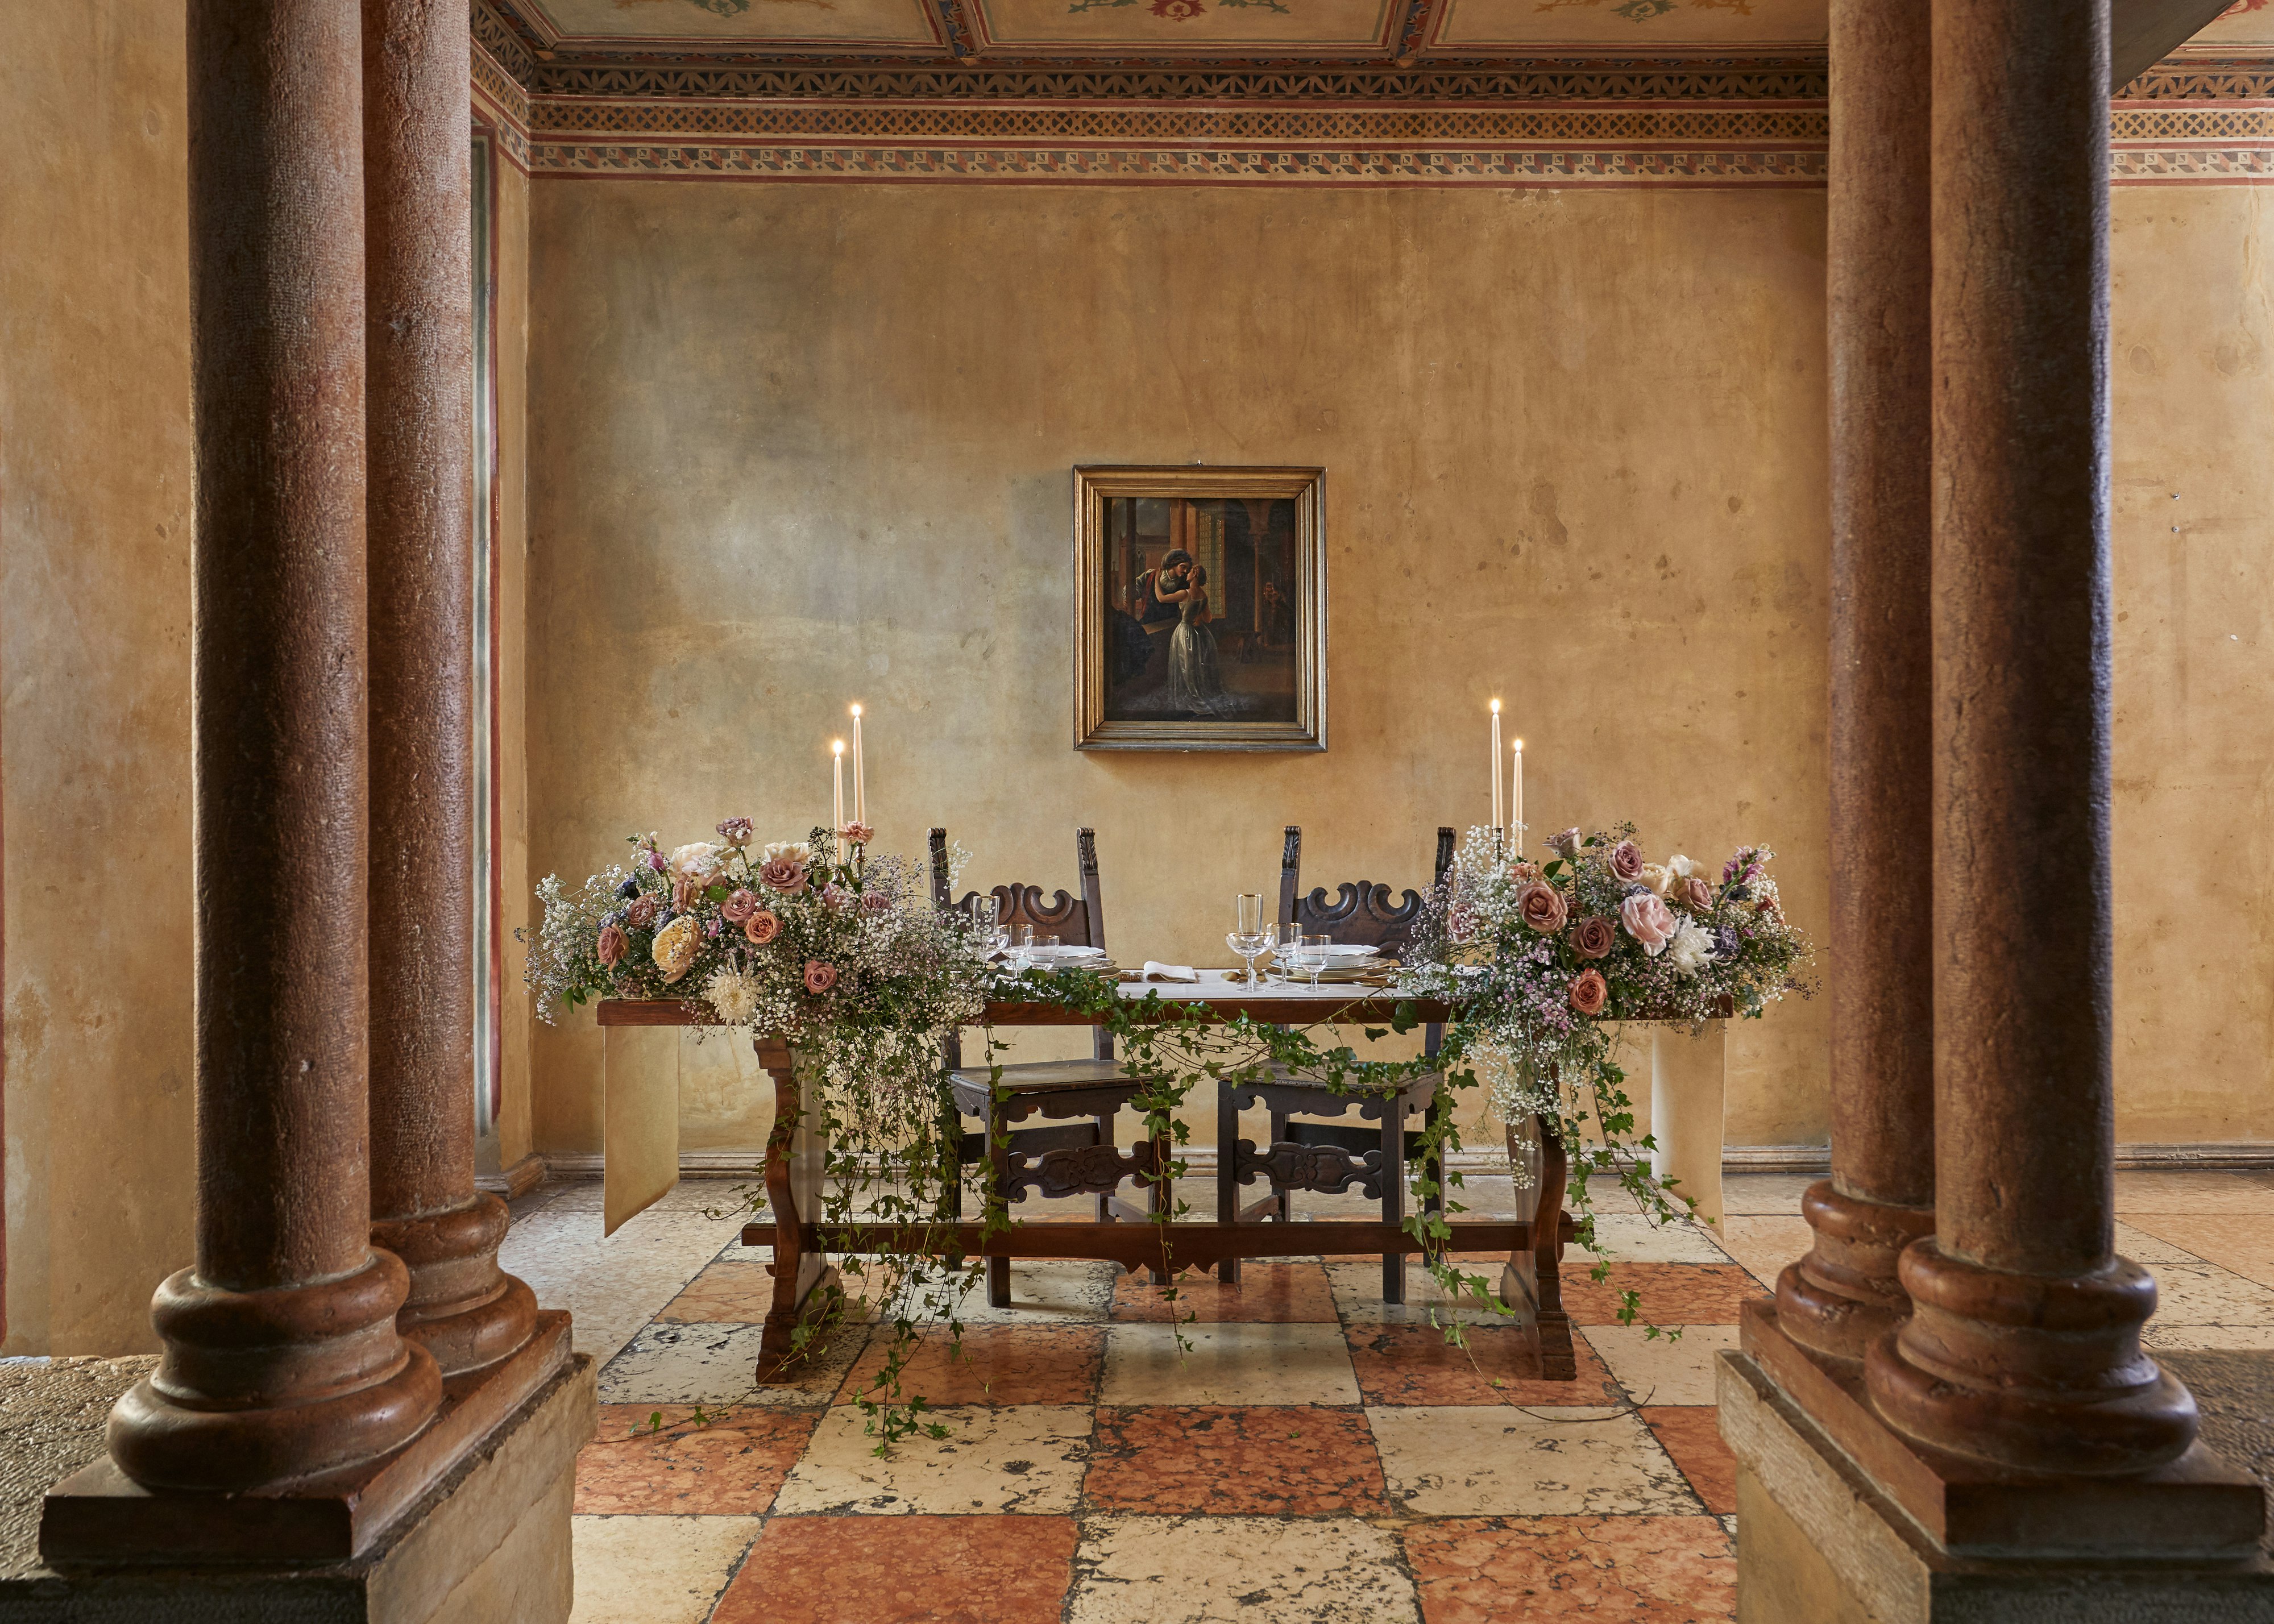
[[1200, 608]]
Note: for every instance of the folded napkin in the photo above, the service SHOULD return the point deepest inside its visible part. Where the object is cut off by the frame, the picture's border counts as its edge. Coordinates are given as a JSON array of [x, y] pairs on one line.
[[1156, 970]]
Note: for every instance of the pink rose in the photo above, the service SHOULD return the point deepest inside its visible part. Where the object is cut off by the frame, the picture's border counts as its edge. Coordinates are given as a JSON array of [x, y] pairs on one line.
[[685, 893], [856, 834], [1648, 920], [819, 977], [1626, 861], [1540, 907], [1594, 937], [782, 873], [875, 902], [736, 831], [1696, 893], [1589, 992], [641, 915], [739, 905], [611, 946], [835, 898], [762, 926]]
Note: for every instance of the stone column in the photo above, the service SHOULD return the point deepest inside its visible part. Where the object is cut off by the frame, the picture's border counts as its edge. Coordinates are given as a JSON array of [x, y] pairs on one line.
[[281, 1362], [1844, 1294], [2023, 1348], [418, 123]]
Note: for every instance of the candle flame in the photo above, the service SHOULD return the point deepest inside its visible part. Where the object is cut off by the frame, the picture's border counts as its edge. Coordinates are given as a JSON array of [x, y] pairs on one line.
[[836, 746], [1519, 747], [856, 709], [1495, 705]]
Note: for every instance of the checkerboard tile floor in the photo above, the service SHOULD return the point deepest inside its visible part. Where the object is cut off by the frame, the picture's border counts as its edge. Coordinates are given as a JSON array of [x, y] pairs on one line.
[[1315, 1456]]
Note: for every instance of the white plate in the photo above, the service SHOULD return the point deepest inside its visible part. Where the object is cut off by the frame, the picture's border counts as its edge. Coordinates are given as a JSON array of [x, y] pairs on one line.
[[1044, 955], [1338, 953]]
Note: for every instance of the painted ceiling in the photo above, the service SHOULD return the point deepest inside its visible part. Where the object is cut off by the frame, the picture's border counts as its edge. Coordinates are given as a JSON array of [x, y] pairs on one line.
[[1256, 28]]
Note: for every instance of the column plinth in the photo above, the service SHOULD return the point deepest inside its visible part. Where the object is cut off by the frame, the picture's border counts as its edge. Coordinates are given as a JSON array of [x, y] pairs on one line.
[[2023, 1348], [418, 222], [1844, 1294]]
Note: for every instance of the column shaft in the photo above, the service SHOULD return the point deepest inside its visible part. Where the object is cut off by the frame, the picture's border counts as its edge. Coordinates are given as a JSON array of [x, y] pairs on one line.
[[1844, 1294], [418, 123], [2023, 1348], [281, 1362]]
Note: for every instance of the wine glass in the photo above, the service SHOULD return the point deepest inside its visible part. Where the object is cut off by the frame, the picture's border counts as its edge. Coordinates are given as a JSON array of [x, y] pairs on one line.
[[1307, 953], [1250, 939]]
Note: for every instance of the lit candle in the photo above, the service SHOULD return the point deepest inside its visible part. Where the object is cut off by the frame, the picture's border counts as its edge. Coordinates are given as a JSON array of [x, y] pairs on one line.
[[1516, 793], [837, 768], [859, 780], [1496, 763]]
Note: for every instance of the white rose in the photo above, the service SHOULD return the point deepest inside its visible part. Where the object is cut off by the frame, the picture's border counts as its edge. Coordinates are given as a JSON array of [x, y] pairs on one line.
[[1682, 867], [1658, 877], [1691, 950], [802, 850], [698, 862]]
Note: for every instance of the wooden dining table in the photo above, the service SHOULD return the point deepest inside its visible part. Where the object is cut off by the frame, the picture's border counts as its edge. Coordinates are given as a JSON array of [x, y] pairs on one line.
[[1529, 1249]]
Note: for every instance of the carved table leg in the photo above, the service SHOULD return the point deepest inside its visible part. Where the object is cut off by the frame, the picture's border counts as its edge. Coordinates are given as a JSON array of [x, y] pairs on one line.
[[1227, 1168], [1531, 1284], [795, 1156]]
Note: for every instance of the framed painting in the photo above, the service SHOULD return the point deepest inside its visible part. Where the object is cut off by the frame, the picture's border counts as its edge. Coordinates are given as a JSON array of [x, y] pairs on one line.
[[1199, 609]]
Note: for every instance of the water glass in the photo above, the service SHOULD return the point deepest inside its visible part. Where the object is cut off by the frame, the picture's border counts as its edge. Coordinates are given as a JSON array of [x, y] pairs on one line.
[[985, 913], [1023, 950], [1311, 949], [1253, 935]]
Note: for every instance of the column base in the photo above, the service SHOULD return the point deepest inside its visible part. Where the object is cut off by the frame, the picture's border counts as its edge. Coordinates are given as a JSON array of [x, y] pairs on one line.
[[490, 1543], [100, 1518]]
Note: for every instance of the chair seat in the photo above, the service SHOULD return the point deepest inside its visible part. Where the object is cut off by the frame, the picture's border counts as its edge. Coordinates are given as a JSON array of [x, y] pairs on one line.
[[1044, 1077], [1282, 1090]]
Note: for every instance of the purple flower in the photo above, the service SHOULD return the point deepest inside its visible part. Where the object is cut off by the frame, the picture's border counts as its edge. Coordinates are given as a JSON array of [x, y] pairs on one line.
[[655, 860], [628, 889], [1725, 943]]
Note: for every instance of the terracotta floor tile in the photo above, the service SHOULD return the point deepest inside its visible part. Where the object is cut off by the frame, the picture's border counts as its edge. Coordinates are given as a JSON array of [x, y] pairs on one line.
[[1415, 1365], [730, 1468], [1251, 1460], [995, 1365], [1672, 1293], [1238, 1570], [905, 1570], [1266, 1290], [1468, 1461], [737, 1292], [1662, 1569], [1693, 1438]]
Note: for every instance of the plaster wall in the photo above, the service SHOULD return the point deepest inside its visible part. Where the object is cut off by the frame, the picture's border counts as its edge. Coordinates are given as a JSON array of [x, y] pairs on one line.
[[793, 446], [94, 667], [516, 884]]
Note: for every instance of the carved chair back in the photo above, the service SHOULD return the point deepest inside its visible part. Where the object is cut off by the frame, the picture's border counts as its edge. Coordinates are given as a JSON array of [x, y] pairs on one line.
[[1076, 921], [1362, 913]]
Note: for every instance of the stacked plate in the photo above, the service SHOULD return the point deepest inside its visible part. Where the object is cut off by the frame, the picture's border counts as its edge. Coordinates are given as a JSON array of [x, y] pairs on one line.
[[1079, 957]]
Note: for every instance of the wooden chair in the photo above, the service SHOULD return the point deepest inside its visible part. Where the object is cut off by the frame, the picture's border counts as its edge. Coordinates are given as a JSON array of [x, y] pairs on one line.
[[1329, 1156], [1070, 1160]]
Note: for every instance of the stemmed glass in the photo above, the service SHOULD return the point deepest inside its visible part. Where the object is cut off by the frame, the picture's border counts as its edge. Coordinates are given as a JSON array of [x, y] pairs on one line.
[[1308, 952], [1252, 936], [986, 923]]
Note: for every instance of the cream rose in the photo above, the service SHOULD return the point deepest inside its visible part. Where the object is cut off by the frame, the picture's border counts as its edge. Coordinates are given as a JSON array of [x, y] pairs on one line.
[[676, 945], [697, 862], [1658, 877]]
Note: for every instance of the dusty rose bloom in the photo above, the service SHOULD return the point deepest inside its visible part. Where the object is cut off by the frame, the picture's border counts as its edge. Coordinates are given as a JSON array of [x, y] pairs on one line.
[[1565, 844], [856, 834], [762, 926], [1541, 907], [782, 873], [1648, 920], [1626, 861], [819, 977], [611, 946], [641, 915], [1589, 992], [685, 893], [1594, 937], [1696, 893], [835, 898], [1523, 871], [736, 831], [875, 902], [739, 905]]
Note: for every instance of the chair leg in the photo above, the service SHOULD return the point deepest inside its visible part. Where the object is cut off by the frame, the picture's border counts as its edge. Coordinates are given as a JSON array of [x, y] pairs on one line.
[[998, 1157], [1393, 1193], [1286, 1213], [998, 1283], [1105, 1137], [1227, 1172], [951, 1155]]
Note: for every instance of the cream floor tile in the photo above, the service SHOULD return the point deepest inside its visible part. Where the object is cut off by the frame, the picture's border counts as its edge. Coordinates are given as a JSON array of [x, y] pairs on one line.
[[1764, 1195], [1238, 1570], [1659, 1370], [1047, 1293], [1357, 1287], [1011, 1458], [2241, 1242], [2195, 1193], [2202, 1294], [708, 1362], [1236, 1363], [2142, 1242], [655, 1570], [2224, 1338], [612, 1285], [1633, 1238], [1765, 1245], [1449, 1461]]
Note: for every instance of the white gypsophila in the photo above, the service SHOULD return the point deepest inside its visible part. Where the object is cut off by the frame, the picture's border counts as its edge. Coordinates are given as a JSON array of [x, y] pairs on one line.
[[734, 995], [1690, 950]]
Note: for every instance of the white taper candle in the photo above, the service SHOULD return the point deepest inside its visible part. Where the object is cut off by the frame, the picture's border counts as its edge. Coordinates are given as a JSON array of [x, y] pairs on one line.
[[1495, 765], [1515, 798], [837, 783], [860, 777]]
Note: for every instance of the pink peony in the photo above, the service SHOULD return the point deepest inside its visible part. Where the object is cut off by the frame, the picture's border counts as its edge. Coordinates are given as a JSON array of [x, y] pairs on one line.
[[1594, 937], [641, 915], [856, 834], [1626, 861], [782, 873], [819, 977], [1589, 992], [739, 905], [612, 945], [1695, 892], [1541, 907], [1648, 920], [762, 926]]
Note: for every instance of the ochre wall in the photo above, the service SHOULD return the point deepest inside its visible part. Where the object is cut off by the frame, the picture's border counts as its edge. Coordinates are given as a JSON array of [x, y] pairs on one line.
[[94, 668]]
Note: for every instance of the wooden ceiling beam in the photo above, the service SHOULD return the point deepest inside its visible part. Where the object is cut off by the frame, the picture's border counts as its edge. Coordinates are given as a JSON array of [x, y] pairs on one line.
[[2142, 33]]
